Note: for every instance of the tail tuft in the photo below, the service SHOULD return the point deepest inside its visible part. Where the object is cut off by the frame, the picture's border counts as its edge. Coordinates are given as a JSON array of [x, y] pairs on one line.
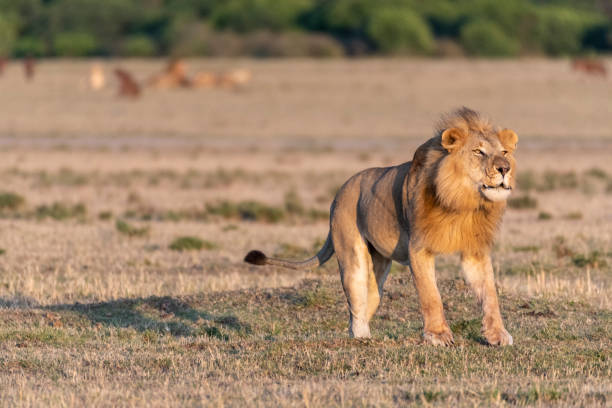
[[255, 257]]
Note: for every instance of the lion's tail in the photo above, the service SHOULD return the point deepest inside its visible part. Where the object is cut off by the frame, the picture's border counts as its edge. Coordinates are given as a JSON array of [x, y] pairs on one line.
[[256, 257]]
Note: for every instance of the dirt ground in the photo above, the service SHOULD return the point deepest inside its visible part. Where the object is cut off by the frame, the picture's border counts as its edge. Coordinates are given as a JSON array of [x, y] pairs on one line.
[[100, 306]]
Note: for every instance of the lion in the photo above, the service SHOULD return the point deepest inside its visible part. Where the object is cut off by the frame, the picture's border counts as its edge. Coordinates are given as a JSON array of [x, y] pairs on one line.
[[97, 79], [173, 76], [229, 80], [589, 66], [449, 198], [128, 87]]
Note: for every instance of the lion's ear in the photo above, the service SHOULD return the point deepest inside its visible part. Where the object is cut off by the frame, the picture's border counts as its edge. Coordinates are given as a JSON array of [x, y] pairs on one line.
[[452, 138], [508, 139]]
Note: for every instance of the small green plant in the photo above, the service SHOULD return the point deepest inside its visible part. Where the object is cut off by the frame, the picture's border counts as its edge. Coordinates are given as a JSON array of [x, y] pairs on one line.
[[522, 202], [593, 259], [246, 210], [552, 180], [574, 215], [189, 243], [61, 211], [596, 172], [2, 251], [10, 201], [526, 248], [130, 230], [543, 216], [105, 215]]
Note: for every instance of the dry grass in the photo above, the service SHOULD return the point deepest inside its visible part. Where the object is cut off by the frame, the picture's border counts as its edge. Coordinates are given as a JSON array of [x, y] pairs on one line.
[[97, 309]]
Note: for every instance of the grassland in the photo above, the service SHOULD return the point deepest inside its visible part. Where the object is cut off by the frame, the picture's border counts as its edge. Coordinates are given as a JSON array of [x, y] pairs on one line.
[[121, 273]]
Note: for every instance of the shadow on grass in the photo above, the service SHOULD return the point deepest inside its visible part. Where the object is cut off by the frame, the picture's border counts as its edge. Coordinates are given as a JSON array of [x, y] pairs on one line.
[[158, 314]]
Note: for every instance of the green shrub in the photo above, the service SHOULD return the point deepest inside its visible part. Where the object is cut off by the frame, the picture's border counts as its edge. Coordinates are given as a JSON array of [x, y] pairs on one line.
[[249, 15], [522, 202], [74, 44], [560, 30], [594, 259], [544, 216], [188, 243], [105, 215], [342, 16], [444, 17], [597, 172], [131, 231], [10, 201], [598, 37], [29, 46], [400, 31], [60, 211], [139, 46], [483, 38], [8, 34]]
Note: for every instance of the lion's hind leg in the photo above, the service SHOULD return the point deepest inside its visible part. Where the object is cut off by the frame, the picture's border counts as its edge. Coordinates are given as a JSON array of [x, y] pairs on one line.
[[380, 269], [356, 273]]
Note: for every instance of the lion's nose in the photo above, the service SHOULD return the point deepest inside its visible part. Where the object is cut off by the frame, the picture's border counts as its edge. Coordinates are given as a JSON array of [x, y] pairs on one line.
[[503, 169]]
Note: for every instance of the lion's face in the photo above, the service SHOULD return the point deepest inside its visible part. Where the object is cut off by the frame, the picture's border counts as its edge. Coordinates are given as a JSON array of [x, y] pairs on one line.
[[484, 159]]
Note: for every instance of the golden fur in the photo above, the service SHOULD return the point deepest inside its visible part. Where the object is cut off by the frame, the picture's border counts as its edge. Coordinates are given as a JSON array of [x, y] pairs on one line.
[[449, 198], [173, 76]]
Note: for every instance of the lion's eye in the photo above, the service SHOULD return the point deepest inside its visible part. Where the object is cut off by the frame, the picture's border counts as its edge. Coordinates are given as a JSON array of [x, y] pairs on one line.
[[505, 152], [479, 152]]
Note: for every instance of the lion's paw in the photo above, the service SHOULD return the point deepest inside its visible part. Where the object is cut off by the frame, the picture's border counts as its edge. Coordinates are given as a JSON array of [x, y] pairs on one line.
[[498, 337], [444, 338]]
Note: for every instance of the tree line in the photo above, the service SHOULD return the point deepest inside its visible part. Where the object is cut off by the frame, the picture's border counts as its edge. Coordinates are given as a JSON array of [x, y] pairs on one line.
[[146, 28]]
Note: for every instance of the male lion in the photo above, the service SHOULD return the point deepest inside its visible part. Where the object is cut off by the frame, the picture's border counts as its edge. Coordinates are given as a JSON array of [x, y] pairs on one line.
[[449, 198]]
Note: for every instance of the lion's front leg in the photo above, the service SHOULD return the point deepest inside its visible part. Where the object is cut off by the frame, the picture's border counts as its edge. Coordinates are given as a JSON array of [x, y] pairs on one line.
[[479, 274], [436, 330]]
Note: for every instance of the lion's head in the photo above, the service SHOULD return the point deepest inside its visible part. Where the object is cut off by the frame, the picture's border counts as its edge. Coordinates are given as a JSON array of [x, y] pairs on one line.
[[479, 164]]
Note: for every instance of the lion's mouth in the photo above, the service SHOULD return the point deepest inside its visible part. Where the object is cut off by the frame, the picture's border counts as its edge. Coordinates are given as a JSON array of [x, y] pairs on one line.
[[496, 193], [498, 187]]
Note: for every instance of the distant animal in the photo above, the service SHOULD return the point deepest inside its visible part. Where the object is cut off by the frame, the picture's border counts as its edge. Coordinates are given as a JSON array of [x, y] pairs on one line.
[[204, 80], [29, 68], [235, 78], [97, 79], [174, 76], [589, 66], [3, 61], [128, 87], [231, 79], [449, 198]]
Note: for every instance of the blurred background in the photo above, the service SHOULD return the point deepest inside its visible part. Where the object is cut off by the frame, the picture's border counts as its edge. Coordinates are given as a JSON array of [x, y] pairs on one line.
[[303, 28]]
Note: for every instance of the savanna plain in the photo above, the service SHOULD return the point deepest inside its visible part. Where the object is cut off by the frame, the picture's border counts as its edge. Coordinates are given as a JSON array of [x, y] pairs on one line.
[[123, 225]]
